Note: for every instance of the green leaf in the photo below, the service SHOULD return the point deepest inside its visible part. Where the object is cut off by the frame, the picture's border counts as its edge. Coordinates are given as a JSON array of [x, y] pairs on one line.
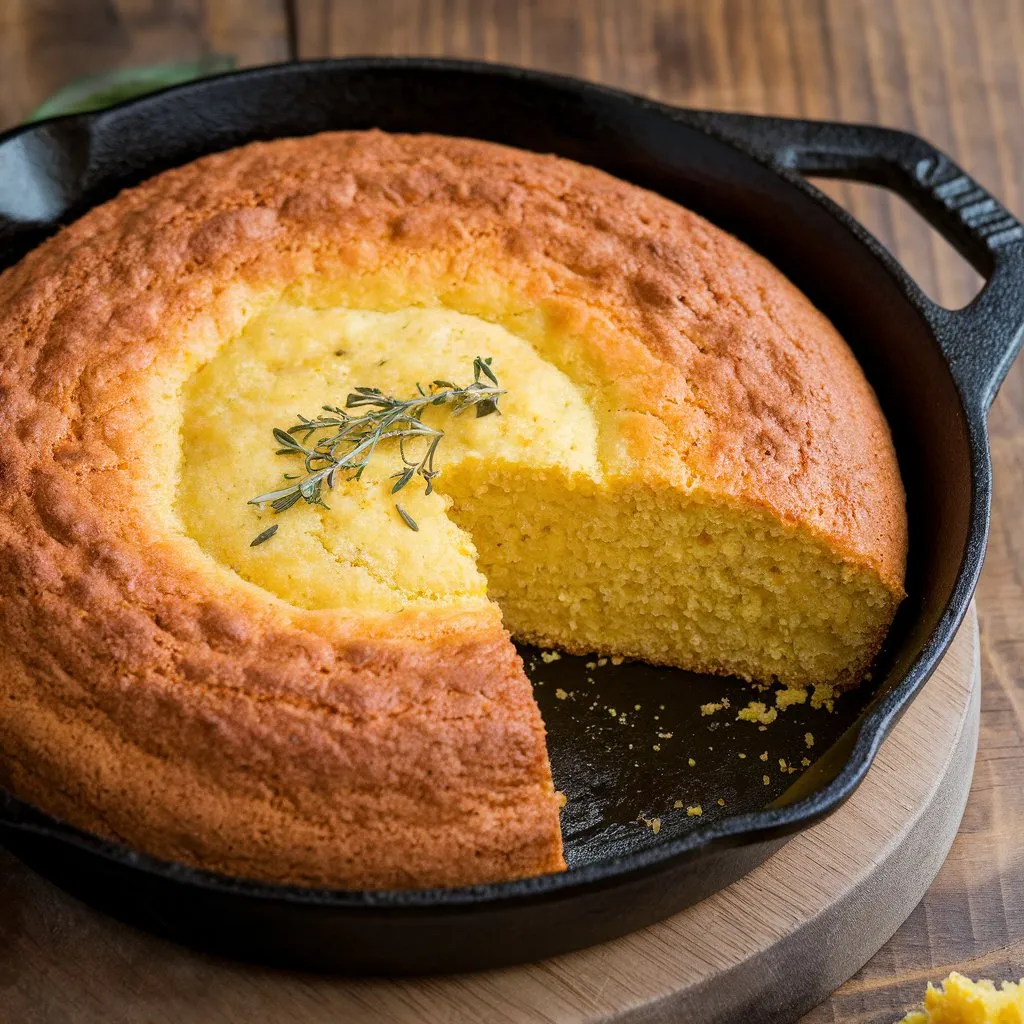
[[99, 91], [409, 521], [265, 535]]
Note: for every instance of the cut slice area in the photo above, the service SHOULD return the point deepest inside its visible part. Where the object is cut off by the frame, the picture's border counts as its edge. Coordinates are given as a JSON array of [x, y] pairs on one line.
[[617, 567]]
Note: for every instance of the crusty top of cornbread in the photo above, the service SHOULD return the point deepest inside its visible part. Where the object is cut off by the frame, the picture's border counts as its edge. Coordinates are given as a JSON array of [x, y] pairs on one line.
[[132, 662]]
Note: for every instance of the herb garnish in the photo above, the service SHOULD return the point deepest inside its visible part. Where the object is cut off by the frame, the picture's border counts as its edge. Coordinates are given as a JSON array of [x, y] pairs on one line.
[[265, 535], [347, 443]]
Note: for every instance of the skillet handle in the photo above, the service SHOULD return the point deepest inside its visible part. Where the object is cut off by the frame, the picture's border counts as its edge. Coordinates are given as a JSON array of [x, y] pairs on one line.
[[980, 340]]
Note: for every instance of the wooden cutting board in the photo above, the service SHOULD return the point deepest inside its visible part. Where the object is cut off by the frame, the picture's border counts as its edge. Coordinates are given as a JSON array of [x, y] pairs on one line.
[[766, 949]]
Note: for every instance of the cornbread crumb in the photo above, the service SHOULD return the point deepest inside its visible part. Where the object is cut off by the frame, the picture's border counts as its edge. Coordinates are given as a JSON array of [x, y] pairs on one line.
[[601, 662], [805, 761], [694, 812], [720, 802], [549, 656], [561, 694], [790, 695], [616, 660], [824, 696], [636, 707], [664, 735], [654, 824], [562, 798], [657, 746], [590, 666], [742, 757], [691, 762], [766, 780], [757, 711], [677, 805], [710, 708], [809, 739], [962, 1001], [764, 756]]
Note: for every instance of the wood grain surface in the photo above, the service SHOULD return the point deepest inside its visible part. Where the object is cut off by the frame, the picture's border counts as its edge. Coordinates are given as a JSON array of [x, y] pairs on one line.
[[947, 69]]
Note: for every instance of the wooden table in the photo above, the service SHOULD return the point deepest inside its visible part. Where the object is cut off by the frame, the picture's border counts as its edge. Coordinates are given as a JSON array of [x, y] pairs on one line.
[[947, 69]]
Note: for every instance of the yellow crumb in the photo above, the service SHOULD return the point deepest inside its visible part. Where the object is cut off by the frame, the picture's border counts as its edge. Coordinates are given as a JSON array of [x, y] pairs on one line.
[[561, 694], [591, 665], [742, 757], [694, 812], [691, 762], [657, 746], [549, 656], [612, 712], [711, 708], [766, 780], [962, 1001], [791, 695], [764, 756], [677, 805], [664, 735], [617, 660], [757, 711], [720, 802], [805, 761], [824, 696], [809, 739], [636, 707], [602, 662], [562, 798]]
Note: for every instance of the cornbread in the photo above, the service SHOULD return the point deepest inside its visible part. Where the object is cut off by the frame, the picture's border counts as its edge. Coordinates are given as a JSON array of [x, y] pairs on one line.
[[959, 1000], [689, 468]]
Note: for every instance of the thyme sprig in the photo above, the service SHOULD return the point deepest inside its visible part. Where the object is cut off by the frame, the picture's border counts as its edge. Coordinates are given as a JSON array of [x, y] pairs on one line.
[[336, 442]]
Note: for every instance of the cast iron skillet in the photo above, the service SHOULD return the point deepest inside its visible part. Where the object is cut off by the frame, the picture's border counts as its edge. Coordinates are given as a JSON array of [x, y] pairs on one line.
[[935, 372]]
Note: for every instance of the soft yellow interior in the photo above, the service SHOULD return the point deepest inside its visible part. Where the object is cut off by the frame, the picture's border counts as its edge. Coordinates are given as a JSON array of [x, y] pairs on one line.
[[576, 552]]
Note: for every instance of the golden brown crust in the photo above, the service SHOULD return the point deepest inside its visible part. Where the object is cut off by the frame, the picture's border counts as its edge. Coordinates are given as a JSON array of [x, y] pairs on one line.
[[150, 698]]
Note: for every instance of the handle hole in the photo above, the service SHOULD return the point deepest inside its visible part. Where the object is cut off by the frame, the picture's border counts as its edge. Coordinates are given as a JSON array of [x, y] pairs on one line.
[[941, 272]]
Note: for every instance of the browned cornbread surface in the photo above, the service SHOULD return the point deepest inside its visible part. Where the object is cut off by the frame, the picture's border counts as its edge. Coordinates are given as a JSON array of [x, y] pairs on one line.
[[151, 695]]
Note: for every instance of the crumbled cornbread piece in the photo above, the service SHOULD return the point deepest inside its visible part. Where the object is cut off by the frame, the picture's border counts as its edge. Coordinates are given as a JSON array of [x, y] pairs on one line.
[[757, 711], [710, 708], [549, 656], [962, 1001], [691, 762], [612, 712], [791, 695], [657, 746], [764, 756], [766, 780], [742, 757], [694, 812], [678, 805], [809, 739], [617, 660], [720, 802], [805, 761], [562, 798], [561, 694], [824, 696]]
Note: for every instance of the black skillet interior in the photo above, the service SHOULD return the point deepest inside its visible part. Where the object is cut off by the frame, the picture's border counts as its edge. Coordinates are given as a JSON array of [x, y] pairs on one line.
[[629, 744]]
